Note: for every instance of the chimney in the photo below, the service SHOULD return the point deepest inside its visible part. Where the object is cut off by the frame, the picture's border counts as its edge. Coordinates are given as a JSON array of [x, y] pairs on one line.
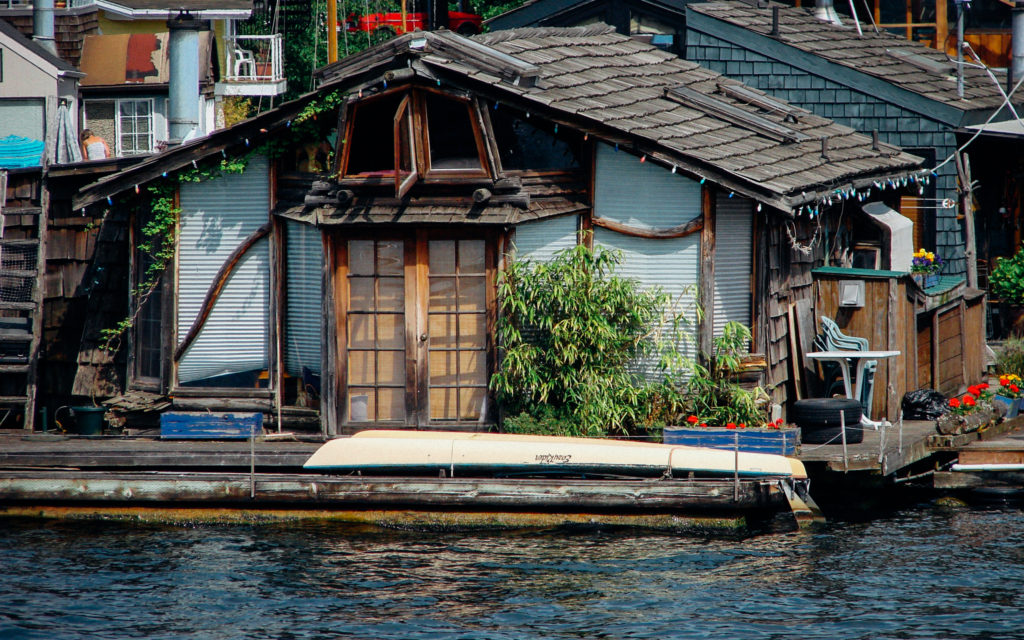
[[42, 24], [183, 51], [1017, 44], [824, 10]]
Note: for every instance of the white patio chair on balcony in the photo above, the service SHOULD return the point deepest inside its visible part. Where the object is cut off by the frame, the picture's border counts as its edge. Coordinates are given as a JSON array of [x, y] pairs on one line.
[[244, 60]]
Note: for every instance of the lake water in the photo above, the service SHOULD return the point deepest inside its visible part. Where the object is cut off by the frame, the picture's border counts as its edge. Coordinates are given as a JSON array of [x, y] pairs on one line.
[[923, 572]]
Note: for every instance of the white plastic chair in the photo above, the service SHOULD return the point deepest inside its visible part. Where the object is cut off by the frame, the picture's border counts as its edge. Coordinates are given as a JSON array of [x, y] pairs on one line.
[[244, 59]]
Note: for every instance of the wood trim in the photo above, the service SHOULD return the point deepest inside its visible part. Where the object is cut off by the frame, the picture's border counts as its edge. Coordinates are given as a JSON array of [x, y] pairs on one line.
[[483, 117], [412, 344], [681, 231], [491, 322], [217, 286], [278, 308], [340, 146], [706, 225], [420, 323], [339, 370]]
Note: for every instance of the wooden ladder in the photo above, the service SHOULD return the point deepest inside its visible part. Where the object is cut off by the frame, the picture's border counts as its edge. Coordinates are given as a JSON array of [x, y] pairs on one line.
[[22, 267]]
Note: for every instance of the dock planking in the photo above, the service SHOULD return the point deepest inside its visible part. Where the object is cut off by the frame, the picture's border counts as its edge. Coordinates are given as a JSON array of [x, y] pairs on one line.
[[885, 451]]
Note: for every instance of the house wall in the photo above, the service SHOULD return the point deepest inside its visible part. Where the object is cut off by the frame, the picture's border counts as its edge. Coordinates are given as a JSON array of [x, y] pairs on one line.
[[830, 99]]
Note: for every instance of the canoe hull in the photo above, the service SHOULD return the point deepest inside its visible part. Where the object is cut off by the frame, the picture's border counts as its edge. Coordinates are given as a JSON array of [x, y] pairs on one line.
[[475, 454]]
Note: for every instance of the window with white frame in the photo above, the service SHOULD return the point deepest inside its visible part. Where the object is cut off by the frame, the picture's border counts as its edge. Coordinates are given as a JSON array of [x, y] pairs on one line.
[[135, 127], [130, 126]]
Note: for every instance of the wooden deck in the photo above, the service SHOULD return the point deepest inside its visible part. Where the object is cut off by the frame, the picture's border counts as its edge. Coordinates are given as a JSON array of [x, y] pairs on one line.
[[1004, 447], [886, 451]]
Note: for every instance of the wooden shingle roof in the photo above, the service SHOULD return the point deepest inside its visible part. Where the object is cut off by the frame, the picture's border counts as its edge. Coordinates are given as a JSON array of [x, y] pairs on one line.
[[905, 64], [619, 85]]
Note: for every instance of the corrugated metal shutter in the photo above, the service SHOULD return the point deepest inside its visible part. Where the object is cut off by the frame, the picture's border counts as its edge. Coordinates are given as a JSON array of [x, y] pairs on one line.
[[304, 293], [734, 236], [541, 240], [217, 215], [649, 196]]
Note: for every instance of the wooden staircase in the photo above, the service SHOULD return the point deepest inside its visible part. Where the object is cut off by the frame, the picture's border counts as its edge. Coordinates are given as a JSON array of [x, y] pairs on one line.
[[23, 222]]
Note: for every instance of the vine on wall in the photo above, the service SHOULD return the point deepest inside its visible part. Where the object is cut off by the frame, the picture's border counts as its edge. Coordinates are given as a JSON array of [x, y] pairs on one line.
[[159, 233]]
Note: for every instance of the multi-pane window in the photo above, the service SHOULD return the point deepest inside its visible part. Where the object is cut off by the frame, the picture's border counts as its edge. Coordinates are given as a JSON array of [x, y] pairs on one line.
[[134, 127]]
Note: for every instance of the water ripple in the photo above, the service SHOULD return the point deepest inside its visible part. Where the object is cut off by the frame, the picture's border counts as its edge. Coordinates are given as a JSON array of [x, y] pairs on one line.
[[922, 573]]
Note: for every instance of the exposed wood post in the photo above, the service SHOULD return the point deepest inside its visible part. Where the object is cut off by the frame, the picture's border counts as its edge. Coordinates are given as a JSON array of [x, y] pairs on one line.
[[963, 171], [332, 30], [935, 351], [963, 341], [707, 269], [892, 344]]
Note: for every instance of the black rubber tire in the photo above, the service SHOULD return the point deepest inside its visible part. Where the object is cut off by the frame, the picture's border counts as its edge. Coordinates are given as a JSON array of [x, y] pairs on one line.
[[819, 420]]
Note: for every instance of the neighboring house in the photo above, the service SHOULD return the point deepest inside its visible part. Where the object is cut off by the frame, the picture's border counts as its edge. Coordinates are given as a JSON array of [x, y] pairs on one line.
[[124, 93], [661, 23], [368, 290], [34, 83], [871, 82]]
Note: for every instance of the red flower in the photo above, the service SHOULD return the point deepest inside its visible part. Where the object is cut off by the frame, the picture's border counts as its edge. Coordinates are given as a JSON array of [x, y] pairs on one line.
[[693, 419], [779, 422], [973, 390], [954, 403], [731, 425], [743, 425], [969, 400], [983, 385], [1014, 388], [703, 424]]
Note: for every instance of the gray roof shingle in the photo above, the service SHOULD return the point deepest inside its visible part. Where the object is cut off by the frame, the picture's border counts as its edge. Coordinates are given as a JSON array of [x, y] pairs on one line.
[[883, 55]]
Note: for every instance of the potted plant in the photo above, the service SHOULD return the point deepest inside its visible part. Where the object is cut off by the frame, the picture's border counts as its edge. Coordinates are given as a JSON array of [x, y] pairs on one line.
[[1007, 285], [722, 413], [925, 268], [973, 411], [1009, 393]]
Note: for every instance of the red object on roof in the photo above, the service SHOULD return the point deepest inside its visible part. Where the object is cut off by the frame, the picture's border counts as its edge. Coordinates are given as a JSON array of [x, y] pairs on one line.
[[466, 24]]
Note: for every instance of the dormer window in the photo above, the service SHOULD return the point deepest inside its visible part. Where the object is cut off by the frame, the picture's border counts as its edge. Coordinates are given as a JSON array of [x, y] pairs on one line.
[[407, 136]]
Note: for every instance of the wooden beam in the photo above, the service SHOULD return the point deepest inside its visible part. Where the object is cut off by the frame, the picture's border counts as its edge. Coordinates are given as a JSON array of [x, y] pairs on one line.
[[217, 286], [707, 267], [681, 231]]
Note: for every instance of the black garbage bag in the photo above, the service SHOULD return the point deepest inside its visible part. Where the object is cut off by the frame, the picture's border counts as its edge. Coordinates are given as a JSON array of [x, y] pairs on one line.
[[924, 404]]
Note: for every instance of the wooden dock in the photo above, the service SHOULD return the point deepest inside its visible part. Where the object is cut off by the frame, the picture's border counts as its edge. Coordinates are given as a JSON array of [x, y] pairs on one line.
[[65, 476]]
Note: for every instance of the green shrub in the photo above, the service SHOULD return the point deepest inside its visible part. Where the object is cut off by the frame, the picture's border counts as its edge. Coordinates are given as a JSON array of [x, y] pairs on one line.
[[713, 396], [1007, 279], [1010, 357], [571, 333]]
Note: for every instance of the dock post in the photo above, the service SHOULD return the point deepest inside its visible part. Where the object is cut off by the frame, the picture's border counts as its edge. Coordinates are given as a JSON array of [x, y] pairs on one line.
[[842, 432], [252, 460], [736, 468]]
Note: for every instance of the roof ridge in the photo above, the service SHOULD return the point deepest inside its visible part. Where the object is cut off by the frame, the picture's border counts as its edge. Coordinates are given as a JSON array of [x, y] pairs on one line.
[[493, 37]]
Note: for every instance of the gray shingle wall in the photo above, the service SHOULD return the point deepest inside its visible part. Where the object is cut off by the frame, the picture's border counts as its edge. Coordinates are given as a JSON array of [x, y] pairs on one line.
[[858, 110]]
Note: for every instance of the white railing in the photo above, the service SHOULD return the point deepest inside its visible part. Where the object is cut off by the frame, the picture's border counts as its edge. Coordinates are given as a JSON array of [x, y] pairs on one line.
[[254, 58]]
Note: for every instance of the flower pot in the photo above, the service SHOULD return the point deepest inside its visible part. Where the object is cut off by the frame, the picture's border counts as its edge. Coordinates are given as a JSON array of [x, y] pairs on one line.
[[88, 420], [951, 423], [1013, 405], [925, 280], [778, 441]]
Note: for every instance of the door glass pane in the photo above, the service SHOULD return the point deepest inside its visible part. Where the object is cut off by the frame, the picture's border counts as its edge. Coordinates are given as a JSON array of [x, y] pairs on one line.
[[360, 257], [391, 331], [457, 305], [442, 257], [471, 256], [376, 331], [389, 258]]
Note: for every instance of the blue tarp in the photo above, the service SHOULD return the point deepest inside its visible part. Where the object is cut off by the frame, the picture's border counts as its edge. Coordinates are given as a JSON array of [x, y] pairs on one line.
[[17, 152]]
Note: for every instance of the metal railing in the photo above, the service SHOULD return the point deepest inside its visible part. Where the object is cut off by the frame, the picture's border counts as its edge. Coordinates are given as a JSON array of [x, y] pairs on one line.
[[254, 58]]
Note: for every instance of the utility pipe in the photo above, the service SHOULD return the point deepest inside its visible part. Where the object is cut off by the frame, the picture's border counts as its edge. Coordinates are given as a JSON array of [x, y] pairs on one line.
[[987, 467], [332, 31]]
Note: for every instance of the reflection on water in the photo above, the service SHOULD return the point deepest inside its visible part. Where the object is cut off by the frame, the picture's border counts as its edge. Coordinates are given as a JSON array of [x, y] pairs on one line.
[[922, 573]]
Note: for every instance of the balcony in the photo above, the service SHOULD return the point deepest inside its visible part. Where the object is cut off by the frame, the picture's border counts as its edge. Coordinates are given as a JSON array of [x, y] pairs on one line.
[[254, 66]]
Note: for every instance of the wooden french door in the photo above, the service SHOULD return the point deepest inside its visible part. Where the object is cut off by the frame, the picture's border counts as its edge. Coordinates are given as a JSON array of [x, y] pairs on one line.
[[414, 329]]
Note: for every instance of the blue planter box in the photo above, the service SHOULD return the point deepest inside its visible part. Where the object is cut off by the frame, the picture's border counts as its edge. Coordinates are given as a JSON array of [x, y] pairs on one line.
[[210, 426], [1013, 405], [778, 441]]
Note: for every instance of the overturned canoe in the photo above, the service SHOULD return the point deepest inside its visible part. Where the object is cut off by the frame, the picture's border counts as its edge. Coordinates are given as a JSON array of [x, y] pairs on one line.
[[475, 454]]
